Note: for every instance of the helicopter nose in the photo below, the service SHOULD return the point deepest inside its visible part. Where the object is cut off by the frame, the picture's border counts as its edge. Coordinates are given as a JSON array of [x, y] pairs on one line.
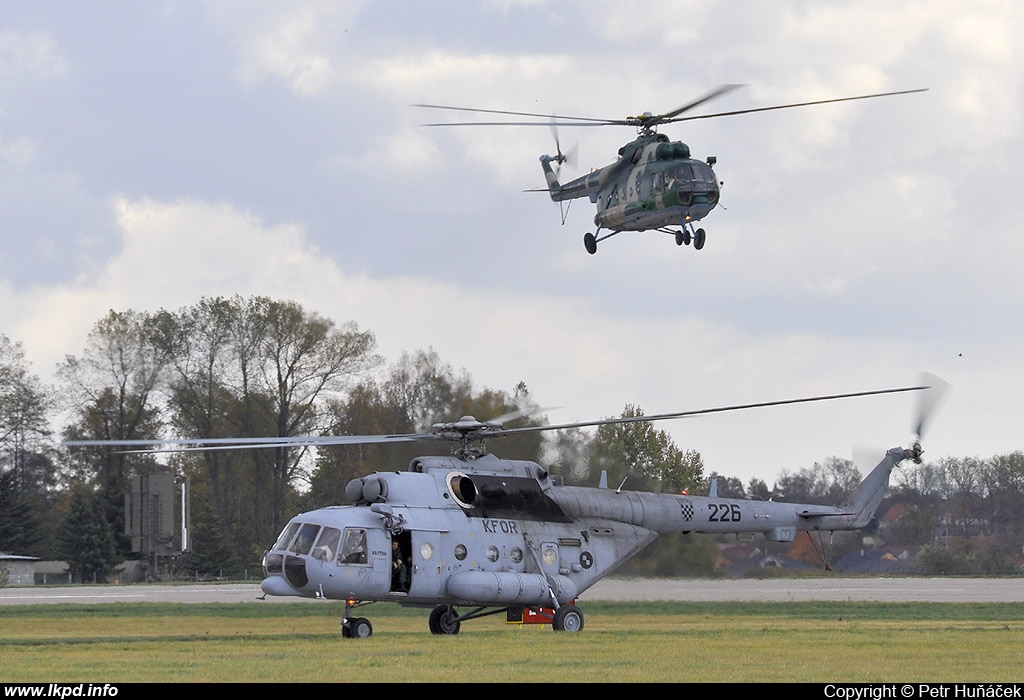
[[295, 571], [276, 585]]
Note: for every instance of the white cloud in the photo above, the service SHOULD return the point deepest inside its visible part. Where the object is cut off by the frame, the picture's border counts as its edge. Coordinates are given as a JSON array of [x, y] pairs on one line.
[[296, 43], [857, 243], [567, 350], [36, 55]]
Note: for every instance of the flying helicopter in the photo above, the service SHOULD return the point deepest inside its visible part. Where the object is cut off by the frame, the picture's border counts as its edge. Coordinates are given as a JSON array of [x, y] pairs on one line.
[[494, 536], [654, 184]]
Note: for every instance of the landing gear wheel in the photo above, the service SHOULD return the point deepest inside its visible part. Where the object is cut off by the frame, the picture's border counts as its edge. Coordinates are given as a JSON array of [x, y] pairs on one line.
[[356, 628], [361, 628], [568, 618], [444, 620], [682, 238], [590, 243], [698, 238]]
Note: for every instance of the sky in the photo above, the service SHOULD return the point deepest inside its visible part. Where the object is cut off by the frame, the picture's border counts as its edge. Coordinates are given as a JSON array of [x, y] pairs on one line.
[[152, 154]]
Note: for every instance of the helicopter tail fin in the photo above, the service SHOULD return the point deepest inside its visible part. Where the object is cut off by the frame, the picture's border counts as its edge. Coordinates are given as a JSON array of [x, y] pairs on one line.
[[550, 176], [866, 498]]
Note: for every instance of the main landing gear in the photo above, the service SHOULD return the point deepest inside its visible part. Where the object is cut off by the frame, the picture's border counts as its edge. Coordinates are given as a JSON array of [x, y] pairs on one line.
[[444, 619], [683, 238]]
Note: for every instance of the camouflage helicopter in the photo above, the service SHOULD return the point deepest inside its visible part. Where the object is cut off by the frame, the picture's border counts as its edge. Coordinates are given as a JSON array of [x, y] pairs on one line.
[[655, 184], [494, 536]]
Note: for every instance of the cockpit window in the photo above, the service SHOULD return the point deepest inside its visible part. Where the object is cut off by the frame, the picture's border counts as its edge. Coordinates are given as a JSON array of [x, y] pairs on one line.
[[703, 172], [304, 542], [286, 536], [327, 545], [353, 547]]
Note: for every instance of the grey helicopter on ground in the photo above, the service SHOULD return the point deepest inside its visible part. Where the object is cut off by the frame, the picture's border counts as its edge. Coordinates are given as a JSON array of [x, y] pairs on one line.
[[471, 535], [655, 184]]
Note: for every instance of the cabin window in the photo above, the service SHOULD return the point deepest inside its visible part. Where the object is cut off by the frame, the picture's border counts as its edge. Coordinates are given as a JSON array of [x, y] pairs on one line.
[[353, 547], [286, 536], [461, 552], [492, 553], [659, 183], [307, 535], [327, 546]]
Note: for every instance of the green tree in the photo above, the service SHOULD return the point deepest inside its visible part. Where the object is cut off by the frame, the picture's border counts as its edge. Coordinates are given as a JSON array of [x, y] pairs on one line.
[[20, 530], [644, 453], [916, 526], [416, 392], [302, 357], [1005, 484], [728, 487], [24, 422], [960, 480], [86, 538], [946, 559], [676, 554], [113, 392], [826, 483], [27, 467]]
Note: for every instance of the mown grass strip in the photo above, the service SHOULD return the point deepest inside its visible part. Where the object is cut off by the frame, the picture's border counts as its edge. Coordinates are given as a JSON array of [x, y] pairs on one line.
[[635, 642]]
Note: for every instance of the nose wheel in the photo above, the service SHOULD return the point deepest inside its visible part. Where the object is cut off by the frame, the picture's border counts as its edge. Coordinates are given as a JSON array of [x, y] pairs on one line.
[[354, 627]]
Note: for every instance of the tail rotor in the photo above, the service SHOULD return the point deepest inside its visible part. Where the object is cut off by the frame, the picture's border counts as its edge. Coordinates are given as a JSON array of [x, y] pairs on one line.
[[930, 400], [560, 158]]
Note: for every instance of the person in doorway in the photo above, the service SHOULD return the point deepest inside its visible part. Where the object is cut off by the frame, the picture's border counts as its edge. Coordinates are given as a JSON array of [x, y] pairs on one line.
[[398, 569]]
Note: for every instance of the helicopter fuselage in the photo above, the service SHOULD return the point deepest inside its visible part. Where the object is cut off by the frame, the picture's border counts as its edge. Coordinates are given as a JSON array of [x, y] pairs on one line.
[[494, 532], [654, 184]]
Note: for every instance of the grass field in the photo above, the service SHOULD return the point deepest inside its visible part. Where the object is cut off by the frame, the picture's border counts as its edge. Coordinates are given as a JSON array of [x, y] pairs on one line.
[[627, 642]]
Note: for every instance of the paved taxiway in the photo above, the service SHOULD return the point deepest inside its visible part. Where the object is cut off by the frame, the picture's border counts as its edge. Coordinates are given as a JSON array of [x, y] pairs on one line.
[[940, 590]]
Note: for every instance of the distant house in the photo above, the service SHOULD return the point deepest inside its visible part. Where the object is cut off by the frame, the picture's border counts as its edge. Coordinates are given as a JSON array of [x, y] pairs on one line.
[[877, 561], [19, 570], [745, 565]]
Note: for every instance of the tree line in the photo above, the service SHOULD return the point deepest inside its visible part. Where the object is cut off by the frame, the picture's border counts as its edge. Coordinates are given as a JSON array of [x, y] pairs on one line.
[[258, 367]]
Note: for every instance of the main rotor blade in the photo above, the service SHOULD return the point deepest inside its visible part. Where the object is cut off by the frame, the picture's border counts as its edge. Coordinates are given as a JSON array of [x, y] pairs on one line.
[[485, 431], [210, 444], [795, 104], [705, 411], [596, 122], [714, 94]]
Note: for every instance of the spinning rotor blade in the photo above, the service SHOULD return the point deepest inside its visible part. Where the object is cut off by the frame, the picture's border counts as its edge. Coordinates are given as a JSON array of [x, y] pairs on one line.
[[561, 158], [465, 429], [929, 402], [795, 104], [705, 411], [714, 94], [647, 120]]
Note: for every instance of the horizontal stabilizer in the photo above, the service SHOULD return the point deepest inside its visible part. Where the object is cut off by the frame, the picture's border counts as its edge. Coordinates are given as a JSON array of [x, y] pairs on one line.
[[821, 514]]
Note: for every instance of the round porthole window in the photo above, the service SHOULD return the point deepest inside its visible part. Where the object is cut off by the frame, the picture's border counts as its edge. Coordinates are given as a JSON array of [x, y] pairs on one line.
[[492, 553], [460, 552], [516, 555], [426, 550]]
